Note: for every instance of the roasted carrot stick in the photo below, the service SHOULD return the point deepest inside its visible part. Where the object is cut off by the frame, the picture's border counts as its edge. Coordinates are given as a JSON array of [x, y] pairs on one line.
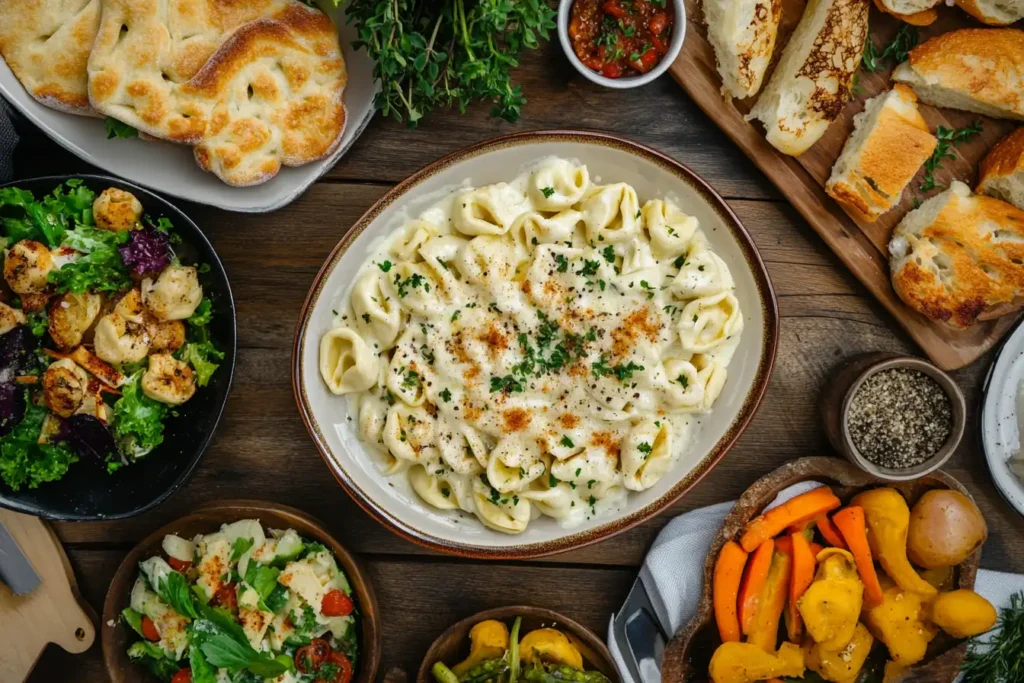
[[794, 511], [784, 544], [765, 630], [850, 522], [726, 589], [799, 581], [830, 533], [752, 584], [816, 548]]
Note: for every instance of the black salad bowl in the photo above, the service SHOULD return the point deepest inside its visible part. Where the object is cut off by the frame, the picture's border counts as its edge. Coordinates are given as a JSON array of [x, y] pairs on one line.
[[87, 492]]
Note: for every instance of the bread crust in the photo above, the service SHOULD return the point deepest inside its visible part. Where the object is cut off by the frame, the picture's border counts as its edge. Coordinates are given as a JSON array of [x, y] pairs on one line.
[[977, 10], [896, 148], [742, 65], [966, 264], [987, 64], [1004, 159], [46, 43]]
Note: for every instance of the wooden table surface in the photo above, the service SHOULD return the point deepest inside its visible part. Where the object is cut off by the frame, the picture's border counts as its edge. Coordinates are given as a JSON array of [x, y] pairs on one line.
[[262, 449]]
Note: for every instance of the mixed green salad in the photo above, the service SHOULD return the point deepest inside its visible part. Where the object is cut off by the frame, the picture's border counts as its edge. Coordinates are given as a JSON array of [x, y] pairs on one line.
[[243, 606], [103, 331]]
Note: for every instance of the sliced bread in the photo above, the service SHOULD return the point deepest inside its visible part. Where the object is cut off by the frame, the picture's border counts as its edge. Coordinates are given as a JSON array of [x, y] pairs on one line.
[[889, 143], [974, 69], [994, 12], [742, 33], [907, 7], [1002, 170], [811, 84], [959, 257]]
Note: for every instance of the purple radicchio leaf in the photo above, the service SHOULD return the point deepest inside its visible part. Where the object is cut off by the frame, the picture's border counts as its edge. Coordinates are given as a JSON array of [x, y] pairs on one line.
[[148, 251], [88, 436], [12, 406], [16, 352]]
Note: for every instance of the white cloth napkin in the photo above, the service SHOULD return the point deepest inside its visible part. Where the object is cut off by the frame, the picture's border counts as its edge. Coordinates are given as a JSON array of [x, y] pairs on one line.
[[8, 141], [673, 573]]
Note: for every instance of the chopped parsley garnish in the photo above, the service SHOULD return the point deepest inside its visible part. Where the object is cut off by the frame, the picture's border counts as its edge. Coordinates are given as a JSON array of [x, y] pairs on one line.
[[456, 314], [552, 481], [563, 263], [567, 442], [680, 261], [413, 281], [446, 396], [600, 368], [385, 266], [608, 253], [682, 380], [589, 268], [645, 448], [412, 378], [507, 384], [547, 191]]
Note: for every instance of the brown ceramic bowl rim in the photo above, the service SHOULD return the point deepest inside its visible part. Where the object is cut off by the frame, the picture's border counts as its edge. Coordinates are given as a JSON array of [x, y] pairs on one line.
[[959, 417], [507, 614], [365, 598], [756, 392]]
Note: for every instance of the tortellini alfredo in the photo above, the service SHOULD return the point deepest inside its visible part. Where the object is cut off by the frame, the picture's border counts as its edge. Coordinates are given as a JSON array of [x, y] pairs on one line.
[[539, 347]]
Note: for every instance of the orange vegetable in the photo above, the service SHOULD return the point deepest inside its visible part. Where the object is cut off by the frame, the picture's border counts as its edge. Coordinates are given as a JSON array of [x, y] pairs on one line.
[[816, 548], [784, 544], [799, 580], [754, 578], [830, 533], [850, 522], [804, 507], [726, 589], [765, 630]]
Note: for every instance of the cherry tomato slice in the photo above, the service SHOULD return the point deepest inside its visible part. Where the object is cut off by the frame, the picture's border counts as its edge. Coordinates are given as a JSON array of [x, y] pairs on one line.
[[613, 8], [611, 70], [182, 676], [658, 23], [226, 597], [336, 604], [179, 565], [646, 62], [309, 658], [343, 672], [149, 631]]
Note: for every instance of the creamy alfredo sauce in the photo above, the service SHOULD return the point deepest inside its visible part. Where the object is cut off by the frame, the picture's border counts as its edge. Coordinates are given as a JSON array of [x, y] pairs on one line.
[[535, 347]]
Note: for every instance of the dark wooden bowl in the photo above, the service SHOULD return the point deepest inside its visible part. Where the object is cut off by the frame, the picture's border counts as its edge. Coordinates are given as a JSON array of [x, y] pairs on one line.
[[689, 652], [452, 646], [116, 636]]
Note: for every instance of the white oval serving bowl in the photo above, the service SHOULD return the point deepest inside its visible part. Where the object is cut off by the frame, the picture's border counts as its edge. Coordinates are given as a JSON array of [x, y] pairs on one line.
[[609, 159]]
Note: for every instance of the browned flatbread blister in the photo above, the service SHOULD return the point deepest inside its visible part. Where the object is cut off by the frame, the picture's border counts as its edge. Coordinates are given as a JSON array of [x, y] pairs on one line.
[[46, 43], [252, 84]]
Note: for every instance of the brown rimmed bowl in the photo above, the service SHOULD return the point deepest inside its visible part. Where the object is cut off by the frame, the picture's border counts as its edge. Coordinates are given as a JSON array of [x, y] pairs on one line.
[[688, 653], [330, 419], [849, 377], [452, 646], [117, 636]]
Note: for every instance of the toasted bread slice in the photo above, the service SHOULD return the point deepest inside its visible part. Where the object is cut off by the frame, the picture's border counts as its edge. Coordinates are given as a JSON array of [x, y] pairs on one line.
[[742, 32], [811, 84], [889, 143], [907, 7], [923, 18], [994, 12], [974, 69], [959, 257], [1002, 170]]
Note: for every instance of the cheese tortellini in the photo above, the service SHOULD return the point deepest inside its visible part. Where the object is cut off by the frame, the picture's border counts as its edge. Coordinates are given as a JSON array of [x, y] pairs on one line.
[[535, 348]]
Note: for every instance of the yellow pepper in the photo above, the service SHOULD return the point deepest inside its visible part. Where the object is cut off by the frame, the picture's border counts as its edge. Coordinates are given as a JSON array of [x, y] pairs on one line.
[[832, 604]]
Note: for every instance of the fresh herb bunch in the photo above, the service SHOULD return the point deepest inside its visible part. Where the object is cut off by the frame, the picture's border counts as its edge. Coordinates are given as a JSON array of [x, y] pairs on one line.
[[897, 50], [1000, 658], [440, 53], [948, 139]]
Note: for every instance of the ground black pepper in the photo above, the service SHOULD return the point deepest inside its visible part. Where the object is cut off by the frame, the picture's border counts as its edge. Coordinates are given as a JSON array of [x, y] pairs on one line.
[[899, 418]]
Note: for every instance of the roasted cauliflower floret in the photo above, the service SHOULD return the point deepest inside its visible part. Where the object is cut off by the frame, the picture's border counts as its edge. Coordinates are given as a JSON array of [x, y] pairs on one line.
[[174, 295], [166, 337], [64, 387], [71, 316], [28, 266], [10, 318], [116, 210], [168, 380], [117, 340]]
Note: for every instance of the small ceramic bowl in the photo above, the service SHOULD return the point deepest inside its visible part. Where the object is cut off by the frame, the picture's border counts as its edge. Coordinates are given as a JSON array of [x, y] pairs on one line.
[[678, 34], [452, 646], [848, 379], [117, 636]]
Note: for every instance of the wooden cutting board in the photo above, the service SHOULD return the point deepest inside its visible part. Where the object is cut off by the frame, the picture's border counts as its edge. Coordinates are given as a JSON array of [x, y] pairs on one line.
[[862, 247], [52, 613]]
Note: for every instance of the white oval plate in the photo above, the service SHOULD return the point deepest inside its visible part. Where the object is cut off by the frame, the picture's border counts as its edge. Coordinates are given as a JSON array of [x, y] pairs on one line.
[[171, 169], [1000, 434], [609, 159]]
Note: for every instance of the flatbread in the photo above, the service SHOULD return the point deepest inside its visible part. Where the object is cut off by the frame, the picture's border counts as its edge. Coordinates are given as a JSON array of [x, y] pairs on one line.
[[253, 84], [46, 43]]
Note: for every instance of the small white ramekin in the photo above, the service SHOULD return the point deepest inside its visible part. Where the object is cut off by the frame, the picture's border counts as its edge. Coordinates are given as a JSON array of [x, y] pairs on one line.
[[678, 34]]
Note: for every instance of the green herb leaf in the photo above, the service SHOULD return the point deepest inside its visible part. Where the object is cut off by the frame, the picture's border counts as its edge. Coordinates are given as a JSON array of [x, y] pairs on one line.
[[241, 546], [133, 619], [118, 129], [138, 423], [26, 463], [948, 139]]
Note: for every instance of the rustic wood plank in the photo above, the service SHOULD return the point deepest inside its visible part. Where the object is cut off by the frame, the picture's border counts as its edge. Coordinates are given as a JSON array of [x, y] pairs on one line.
[[415, 606]]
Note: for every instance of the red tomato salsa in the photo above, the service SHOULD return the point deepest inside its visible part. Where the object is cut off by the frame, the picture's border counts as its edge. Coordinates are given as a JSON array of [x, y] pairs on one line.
[[619, 38]]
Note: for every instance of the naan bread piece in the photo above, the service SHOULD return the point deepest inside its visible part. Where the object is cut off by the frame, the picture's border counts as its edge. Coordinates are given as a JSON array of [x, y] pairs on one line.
[[254, 83], [46, 43]]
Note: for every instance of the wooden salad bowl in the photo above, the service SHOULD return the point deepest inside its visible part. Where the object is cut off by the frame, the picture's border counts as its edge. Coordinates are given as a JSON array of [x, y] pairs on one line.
[[688, 653], [117, 636], [453, 645]]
